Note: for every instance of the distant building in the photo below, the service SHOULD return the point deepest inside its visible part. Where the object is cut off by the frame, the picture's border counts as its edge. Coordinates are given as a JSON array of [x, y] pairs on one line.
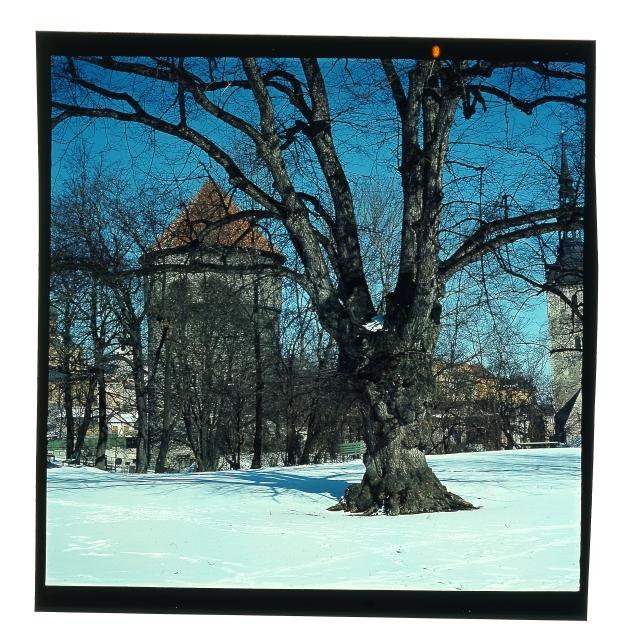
[[565, 289], [475, 410], [199, 264]]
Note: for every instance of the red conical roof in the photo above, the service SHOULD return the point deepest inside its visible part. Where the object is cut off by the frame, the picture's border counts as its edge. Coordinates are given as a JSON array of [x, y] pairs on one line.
[[210, 204]]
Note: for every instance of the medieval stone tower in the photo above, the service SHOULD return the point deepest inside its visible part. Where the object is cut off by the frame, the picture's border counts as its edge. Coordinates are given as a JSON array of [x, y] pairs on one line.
[[213, 297], [565, 284], [206, 262]]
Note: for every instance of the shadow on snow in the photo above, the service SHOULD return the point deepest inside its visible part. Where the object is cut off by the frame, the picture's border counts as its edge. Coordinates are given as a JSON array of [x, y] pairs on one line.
[[331, 485]]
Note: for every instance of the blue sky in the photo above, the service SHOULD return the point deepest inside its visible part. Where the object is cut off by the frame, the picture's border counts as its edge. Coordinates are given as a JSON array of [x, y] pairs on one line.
[[518, 155]]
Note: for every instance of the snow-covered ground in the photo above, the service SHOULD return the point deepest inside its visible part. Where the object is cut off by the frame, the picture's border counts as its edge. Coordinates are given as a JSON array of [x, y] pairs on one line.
[[270, 528]]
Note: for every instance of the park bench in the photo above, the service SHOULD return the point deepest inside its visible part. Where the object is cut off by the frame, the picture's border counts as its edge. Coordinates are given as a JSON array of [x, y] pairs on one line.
[[348, 449], [528, 445]]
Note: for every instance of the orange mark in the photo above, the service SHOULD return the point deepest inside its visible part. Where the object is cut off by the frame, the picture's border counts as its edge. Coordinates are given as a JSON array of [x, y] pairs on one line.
[[436, 51]]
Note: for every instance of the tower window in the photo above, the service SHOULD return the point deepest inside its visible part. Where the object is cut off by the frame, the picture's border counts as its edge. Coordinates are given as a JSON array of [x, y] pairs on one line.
[[578, 343]]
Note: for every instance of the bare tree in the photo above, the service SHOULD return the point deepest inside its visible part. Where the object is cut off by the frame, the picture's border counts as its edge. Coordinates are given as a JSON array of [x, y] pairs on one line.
[[72, 378], [289, 112], [102, 230], [86, 327], [211, 358]]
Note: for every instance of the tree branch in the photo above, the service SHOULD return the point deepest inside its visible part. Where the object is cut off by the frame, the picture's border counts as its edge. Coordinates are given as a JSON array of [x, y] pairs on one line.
[[192, 265], [396, 86], [235, 174], [527, 106], [481, 242], [539, 286], [353, 286], [485, 68]]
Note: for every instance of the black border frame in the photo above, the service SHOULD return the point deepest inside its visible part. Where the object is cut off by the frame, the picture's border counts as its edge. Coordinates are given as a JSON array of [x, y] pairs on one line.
[[364, 603]]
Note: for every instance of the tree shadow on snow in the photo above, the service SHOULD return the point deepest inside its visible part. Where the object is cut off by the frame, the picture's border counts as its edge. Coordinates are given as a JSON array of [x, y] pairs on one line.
[[332, 485]]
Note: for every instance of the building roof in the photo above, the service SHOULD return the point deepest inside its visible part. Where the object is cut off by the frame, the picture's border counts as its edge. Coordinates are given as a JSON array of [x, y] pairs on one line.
[[211, 204]]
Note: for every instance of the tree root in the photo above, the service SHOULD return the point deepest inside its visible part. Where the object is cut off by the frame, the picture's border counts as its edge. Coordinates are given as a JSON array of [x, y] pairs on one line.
[[423, 497]]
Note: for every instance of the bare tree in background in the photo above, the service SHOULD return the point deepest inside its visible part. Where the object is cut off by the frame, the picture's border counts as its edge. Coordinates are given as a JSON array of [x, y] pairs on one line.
[[72, 381], [98, 238]]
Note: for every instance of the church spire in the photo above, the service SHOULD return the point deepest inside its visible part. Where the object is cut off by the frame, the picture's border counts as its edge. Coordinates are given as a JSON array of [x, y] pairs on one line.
[[566, 193]]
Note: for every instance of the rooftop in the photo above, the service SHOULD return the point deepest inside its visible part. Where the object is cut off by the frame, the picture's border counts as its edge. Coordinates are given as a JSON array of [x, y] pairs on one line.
[[209, 205]]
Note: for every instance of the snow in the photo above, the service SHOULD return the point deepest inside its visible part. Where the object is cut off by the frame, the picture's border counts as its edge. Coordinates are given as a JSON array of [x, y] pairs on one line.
[[269, 528], [375, 323]]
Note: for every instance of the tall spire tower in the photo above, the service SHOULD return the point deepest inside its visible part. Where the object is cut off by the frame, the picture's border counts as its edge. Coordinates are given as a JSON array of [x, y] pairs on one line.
[[567, 196], [565, 288]]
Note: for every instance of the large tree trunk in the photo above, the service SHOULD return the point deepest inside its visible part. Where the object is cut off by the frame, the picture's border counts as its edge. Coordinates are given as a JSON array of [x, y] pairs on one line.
[[68, 404], [152, 409], [140, 394], [292, 448], [144, 390], [312, 436], [102, 440], [256, 462], [397, 479], [207, 458], [67, 386], [97, 335], [142, 445], [86, 418], [167, 424]]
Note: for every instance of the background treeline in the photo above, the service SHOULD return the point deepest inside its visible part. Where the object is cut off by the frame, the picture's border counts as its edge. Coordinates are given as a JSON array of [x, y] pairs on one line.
[[192, 399]]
